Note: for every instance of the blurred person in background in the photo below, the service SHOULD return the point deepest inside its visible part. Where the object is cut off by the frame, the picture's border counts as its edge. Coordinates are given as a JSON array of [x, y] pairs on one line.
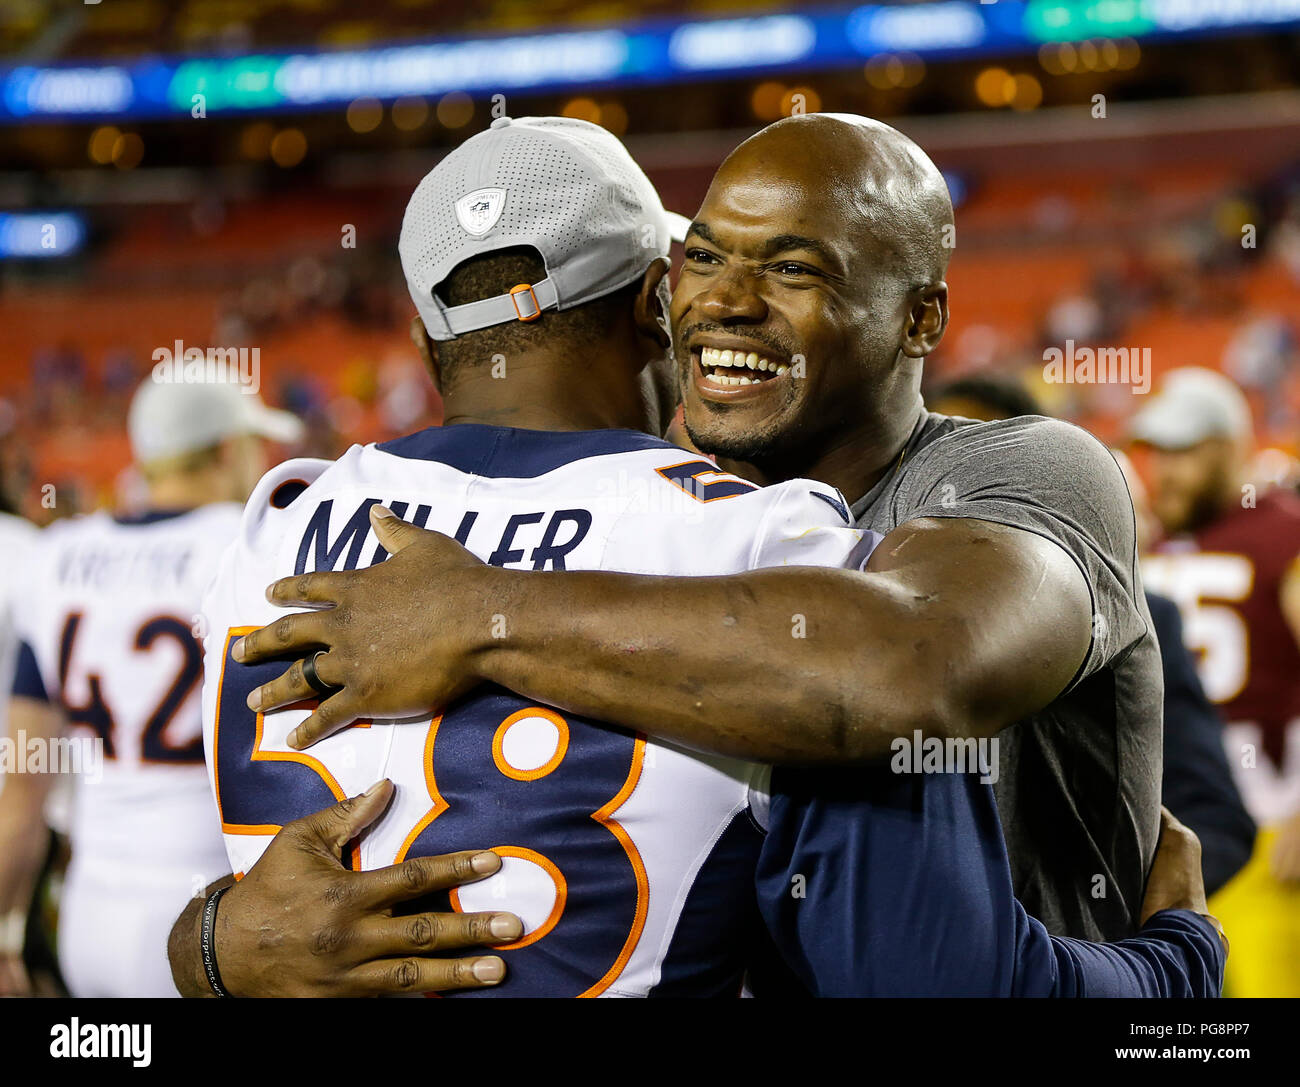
[[17, 544], [987, 398], [107, 614], [1230, 559], [1196, 781]]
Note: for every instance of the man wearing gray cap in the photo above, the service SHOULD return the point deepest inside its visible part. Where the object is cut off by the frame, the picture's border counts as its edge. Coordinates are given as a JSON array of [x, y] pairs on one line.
[[107, 613], [576, 198], [1231, 560]]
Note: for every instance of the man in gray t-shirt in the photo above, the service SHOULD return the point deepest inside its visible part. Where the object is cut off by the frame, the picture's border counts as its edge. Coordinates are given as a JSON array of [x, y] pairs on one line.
[[1079, 780], [1003, 602]]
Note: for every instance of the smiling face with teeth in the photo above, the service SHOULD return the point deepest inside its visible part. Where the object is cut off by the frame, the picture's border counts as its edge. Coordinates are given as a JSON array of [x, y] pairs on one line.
[[729, 369], [809, 294]]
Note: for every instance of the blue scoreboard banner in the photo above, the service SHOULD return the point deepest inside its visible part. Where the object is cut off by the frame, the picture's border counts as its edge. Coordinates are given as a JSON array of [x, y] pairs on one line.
[[638, 54]]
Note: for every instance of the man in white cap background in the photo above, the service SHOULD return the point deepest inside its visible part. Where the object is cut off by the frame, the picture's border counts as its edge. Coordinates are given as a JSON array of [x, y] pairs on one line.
[[107, 613], [1230, 558], [201, 442]]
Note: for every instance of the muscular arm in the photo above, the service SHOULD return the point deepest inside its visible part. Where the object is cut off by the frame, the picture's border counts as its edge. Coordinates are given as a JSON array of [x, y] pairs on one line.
[[958, 627]]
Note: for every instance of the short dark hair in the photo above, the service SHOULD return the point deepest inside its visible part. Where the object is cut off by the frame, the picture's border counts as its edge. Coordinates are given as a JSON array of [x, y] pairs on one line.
[[496, 273], [1004, 395]]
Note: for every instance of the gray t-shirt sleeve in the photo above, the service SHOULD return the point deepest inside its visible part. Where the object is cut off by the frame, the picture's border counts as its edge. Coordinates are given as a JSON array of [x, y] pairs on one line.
[[1055, 480]]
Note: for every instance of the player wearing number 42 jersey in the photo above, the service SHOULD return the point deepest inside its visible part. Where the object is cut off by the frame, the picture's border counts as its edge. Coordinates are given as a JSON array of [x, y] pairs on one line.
[[629, 861], [107, 615]]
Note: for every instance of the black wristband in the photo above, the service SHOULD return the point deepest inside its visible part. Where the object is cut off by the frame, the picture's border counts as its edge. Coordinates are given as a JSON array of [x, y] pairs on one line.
[[208, 942]]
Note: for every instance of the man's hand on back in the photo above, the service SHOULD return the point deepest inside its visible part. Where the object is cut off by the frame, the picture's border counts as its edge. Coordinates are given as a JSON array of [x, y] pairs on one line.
[[300, 924], [1176, 882], [425, 656]]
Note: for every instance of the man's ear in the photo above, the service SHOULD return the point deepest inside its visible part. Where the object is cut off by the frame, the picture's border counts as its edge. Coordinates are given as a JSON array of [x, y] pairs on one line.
[[651, 310], [428, 351], [224, 454], [926, 322], [225, 464]]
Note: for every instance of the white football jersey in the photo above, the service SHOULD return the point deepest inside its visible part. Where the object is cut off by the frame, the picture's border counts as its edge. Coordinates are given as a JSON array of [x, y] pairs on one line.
[[108, 627], [629, 861]]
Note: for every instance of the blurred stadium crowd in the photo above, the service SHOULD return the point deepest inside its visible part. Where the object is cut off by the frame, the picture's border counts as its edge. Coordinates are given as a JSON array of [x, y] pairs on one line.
[[1150, 260]]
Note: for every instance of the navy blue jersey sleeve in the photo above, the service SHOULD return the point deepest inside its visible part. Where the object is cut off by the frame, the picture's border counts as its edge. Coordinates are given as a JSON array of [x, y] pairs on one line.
[[27, 677], [874, 883], [1177, 953]]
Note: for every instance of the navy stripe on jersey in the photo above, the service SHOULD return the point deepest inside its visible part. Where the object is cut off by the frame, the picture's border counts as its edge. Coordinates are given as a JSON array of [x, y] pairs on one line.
[[687, 477], [836, 503], [148, 517], [497, 452], [701, 960], [27, 679]]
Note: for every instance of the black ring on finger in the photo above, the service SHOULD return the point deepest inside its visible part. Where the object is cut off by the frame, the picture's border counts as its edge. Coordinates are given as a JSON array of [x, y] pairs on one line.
[[313, 679]]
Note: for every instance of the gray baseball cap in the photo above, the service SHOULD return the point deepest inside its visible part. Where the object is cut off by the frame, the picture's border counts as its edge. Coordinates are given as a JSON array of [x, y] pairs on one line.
[[567, 188], [1193, 405], [169, 418]]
